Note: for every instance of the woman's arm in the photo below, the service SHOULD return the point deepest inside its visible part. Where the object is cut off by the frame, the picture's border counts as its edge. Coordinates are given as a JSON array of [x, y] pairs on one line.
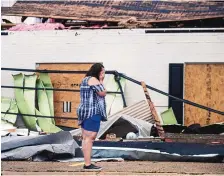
[[96, 83]]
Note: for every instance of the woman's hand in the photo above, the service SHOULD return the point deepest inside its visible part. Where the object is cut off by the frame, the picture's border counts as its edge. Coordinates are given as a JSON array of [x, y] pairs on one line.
[[102, 75]]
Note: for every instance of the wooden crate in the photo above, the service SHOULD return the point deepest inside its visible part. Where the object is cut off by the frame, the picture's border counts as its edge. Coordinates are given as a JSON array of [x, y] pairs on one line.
[[204, 84], [66, 81]]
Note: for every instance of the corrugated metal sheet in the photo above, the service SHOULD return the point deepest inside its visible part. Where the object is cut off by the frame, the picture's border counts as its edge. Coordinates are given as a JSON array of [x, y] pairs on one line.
[[139, 110], [116, 11]]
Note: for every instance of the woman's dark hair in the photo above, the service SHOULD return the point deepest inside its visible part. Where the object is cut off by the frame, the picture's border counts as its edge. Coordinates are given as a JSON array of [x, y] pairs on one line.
[[95, 70]]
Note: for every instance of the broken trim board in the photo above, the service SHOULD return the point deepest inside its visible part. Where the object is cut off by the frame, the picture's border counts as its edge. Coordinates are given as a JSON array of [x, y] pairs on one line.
[[159, 127]]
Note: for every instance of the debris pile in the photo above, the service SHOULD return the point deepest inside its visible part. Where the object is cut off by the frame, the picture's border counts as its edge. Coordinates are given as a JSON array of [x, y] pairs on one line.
[[39, 148], [26, 102], [131, 133]]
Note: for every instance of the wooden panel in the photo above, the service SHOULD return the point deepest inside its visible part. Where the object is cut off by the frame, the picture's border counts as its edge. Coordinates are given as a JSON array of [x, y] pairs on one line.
[[66, 81], [59, 112], [204, 84], [217, 91]]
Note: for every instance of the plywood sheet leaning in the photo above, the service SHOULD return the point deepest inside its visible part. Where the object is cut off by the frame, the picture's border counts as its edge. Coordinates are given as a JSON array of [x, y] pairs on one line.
[[66, 81], [204, 84]]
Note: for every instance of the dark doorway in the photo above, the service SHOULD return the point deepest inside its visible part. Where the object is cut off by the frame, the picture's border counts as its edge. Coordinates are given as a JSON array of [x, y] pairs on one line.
[[176, 89]]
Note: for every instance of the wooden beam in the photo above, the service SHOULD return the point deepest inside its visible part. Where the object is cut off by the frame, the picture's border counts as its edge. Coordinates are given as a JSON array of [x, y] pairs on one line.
[[154, 113]]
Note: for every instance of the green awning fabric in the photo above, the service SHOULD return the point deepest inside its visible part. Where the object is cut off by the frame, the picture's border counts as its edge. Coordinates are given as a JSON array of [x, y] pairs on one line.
[[45, 78], [168, 117], [23, 103], [46, 125], [26, 100]]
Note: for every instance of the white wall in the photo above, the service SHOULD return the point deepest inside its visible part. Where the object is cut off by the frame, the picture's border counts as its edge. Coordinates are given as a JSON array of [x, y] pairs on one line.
[[10, 3], [7, 3], [141, 56]]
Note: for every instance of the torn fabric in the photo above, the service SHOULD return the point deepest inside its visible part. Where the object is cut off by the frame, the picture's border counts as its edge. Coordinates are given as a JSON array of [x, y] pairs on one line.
[[23, 104], [45, 78]]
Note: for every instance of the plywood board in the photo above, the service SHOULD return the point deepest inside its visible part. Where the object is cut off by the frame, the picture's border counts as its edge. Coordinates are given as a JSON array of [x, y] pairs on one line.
[[204, 84], [66, 81], [217, 91]]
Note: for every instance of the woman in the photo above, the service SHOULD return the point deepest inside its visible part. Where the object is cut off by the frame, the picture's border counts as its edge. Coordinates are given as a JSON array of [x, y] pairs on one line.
[[92, 110]]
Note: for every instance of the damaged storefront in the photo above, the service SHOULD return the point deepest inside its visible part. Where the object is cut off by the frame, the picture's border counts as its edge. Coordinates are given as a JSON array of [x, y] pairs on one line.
[[135, 132]]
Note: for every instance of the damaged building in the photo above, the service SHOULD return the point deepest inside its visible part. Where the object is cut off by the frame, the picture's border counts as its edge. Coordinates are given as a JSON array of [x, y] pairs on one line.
[[164, 62]]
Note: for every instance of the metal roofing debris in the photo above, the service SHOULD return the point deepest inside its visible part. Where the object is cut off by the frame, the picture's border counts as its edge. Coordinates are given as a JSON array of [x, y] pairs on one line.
[[118, 11], [158, 151], [26, 147], [137, 115], [139, 110], [120, 126]]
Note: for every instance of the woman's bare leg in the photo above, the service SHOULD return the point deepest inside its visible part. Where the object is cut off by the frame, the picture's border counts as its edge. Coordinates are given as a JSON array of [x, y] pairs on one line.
[[88, 138]]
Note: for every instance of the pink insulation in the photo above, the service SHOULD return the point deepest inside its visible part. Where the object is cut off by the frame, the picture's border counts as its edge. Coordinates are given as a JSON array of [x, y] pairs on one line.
[[37, 27]]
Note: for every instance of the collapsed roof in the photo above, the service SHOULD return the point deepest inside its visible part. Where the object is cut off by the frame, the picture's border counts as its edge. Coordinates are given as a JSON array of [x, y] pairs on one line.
[[142, 12]]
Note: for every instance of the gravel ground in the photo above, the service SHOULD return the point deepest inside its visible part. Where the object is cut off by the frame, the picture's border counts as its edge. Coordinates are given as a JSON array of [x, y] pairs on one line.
[[111, 168], [100, 174]]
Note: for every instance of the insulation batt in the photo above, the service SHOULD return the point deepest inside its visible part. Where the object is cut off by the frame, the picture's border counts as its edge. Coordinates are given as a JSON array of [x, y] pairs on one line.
[[37, 27]]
